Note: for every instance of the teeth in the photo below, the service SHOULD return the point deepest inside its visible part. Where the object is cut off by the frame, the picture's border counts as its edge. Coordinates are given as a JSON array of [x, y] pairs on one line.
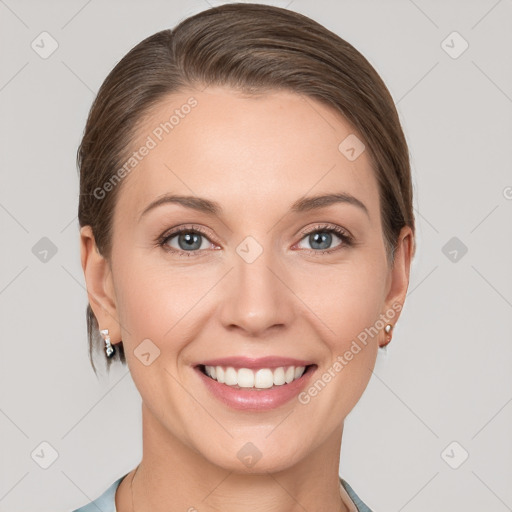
[[230, 377], [263, 378], [279, 378], [245, 378]]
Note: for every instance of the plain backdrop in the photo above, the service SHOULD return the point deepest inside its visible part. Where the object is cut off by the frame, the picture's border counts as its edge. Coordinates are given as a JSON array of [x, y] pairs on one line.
[[432, 431]]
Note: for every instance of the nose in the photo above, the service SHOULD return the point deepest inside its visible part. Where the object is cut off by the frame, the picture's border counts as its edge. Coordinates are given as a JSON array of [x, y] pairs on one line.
[[258, 297]]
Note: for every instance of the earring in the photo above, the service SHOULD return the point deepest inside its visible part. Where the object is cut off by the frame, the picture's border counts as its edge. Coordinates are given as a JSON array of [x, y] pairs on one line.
[[110, 350], [387, 330]]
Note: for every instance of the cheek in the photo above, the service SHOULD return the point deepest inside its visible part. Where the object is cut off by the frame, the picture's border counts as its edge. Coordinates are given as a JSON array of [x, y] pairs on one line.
[[152, 303], [347, 300], [351, 309], [152, 306], [148, 304]]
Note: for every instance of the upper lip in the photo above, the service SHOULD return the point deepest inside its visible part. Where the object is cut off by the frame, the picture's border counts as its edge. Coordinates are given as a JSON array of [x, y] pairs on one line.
[[260, 362]]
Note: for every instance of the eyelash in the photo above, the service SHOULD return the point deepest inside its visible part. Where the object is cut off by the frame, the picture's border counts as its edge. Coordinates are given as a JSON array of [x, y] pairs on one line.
[[347, 239]]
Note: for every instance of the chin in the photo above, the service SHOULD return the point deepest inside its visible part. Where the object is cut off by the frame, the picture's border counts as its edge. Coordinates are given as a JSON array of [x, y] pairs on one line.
[[254, 454]]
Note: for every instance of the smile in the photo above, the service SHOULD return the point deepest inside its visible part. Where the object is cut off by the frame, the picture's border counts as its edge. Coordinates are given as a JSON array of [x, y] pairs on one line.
[[255, 384], [263, 378]]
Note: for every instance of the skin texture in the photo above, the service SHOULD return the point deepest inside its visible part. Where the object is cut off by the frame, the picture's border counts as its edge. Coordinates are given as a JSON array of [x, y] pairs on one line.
[[255, 155]]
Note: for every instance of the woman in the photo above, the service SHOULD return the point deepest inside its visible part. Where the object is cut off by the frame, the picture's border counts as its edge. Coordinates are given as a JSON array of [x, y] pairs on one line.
[[246, 239]]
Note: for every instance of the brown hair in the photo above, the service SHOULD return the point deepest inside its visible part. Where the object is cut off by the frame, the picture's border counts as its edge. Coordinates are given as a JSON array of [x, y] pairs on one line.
[[251, 48]]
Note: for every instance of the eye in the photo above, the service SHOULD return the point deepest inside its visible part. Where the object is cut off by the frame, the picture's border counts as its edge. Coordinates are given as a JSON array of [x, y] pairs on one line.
[[186, 241], [321, 238], [190, 241]]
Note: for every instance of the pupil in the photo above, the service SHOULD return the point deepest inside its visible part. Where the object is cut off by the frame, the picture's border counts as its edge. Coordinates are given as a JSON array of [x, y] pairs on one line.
[[190, 239], [324, 237]]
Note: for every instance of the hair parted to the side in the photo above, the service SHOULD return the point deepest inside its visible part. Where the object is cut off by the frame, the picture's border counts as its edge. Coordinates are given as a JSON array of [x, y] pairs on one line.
[[251, 48]]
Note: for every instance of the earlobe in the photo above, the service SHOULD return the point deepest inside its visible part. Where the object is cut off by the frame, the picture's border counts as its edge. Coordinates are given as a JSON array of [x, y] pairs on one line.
[[98, 279]]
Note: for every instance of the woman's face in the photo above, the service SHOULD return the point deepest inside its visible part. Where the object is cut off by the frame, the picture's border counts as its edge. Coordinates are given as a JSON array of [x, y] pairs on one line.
[[260, 277]]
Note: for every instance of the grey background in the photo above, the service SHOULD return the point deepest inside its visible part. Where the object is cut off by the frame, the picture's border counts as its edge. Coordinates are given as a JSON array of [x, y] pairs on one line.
[[447, 374]]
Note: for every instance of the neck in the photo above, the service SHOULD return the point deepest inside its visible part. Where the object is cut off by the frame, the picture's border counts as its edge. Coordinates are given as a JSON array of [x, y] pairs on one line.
[[172, 472]]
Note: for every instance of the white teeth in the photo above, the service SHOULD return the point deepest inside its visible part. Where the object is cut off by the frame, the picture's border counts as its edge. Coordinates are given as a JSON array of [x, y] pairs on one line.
[[231, 378], [263, 378], [279, 379], [245, 378]]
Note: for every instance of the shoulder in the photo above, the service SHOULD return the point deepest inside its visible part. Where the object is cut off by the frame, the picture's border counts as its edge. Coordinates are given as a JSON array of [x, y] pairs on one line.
[[361, 507], [106, 502]]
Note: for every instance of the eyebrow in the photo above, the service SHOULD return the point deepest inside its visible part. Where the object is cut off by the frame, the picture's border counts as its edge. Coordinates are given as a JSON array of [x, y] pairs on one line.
[[322, 201], [213, 208]]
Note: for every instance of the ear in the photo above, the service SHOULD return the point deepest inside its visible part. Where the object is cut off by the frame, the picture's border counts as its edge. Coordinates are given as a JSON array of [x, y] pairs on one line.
[[99, 283], [399, 276]]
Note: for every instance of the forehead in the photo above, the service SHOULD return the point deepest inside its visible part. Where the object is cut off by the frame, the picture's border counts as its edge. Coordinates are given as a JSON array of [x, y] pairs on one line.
[[246, 152]]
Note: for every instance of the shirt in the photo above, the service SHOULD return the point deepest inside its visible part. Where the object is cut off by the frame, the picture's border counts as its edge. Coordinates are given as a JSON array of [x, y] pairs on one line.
[[106, 502]]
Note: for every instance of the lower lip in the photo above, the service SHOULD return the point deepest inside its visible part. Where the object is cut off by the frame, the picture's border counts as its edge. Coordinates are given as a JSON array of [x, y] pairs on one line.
[[256, 399]]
